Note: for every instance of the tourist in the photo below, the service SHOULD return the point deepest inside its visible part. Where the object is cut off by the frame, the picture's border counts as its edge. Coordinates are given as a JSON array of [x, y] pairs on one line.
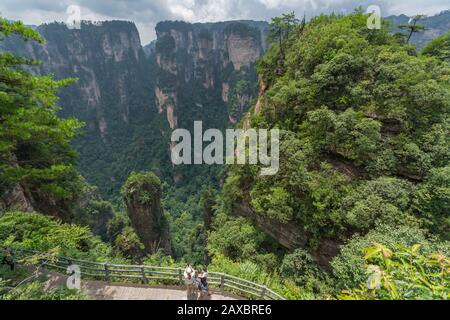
[[203, 281], [189, 279]]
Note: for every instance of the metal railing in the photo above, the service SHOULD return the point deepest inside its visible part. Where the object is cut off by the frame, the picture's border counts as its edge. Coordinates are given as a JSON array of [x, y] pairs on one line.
[[146, 274]]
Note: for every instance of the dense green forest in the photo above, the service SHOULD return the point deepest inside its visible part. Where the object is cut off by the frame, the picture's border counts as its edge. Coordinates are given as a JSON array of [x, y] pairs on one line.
[[363, 187], [364, 156]]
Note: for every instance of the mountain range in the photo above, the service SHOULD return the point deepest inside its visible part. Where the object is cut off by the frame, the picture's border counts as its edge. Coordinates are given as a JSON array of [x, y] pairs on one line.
[[132, 96]]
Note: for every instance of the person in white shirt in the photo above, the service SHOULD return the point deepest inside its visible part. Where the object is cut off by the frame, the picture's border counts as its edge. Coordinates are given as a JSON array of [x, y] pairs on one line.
[[189, 279]]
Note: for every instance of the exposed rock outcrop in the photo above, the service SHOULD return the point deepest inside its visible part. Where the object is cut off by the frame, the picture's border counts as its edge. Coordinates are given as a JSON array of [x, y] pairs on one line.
[[290, 235], [114, 94], [16, 200], [142, 196], [242, 51], [208, 65]]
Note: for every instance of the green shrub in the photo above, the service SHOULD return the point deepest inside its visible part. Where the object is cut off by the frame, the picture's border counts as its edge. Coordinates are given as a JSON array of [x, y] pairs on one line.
[[402, 273], [236, 239], [36, 291], [34, 231], [129, 245], [349, 267], [303, 270], [144, 184]]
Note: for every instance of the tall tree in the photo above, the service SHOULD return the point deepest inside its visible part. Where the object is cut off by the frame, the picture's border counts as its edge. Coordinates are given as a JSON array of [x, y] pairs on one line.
[[413, 26], [281, 27], [35, 148], [280, 30]]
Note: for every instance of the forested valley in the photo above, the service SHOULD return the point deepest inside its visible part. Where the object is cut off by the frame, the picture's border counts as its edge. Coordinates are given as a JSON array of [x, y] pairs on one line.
[[358, 210]]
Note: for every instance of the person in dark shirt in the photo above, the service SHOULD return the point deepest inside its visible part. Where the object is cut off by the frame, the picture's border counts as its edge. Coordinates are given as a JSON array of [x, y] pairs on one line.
[[203, 283]]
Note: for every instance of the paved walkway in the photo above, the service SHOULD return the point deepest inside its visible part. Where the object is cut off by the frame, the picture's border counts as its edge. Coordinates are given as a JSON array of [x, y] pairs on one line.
[[99, 290]]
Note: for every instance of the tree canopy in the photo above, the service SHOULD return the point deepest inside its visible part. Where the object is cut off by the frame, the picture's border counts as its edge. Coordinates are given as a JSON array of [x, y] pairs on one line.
[[439, 47], [35, 148], [365, 130]]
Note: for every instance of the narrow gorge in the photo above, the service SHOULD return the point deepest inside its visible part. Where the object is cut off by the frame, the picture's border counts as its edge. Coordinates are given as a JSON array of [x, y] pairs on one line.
[[132, 97]]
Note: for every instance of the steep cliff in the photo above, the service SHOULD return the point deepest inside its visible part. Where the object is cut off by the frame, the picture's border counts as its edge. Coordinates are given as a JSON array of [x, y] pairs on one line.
[[207, 71], [142, 196], [351, 156], [114, 96], [290, 235], [132, 97]]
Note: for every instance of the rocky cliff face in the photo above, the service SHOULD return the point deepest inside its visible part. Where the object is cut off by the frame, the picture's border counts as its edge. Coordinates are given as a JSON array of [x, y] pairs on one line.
[[114, 95], [207, 71], [97, 55], [142, 196], [131, 98], [16, 199], [290, 235]]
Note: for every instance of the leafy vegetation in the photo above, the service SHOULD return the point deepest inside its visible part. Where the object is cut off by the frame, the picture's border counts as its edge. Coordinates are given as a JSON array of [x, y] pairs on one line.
[[403, 274], [35, 291], [413, 27], [349, 267], [364, 153], [356, 108], [146, 186], [438, 47], [34, 231], [35, 148]]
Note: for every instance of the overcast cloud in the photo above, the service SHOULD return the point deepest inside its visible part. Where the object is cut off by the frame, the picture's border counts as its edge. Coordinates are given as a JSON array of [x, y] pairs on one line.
[[146, 13]]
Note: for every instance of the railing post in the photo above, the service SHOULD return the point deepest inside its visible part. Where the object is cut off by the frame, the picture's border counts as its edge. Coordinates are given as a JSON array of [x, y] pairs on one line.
[[144, 277], [180, 276], [107, 273], [263, 293], [222, 283]]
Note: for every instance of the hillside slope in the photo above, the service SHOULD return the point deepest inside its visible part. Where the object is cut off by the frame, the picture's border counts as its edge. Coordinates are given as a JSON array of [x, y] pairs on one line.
[[131, 99], [364, 139]]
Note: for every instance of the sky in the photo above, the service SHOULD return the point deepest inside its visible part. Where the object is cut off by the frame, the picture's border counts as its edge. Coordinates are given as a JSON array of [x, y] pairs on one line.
[[147, 13]]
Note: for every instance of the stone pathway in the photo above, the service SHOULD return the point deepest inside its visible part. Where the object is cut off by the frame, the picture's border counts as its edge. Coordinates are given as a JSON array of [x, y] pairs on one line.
[[99, 290]]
